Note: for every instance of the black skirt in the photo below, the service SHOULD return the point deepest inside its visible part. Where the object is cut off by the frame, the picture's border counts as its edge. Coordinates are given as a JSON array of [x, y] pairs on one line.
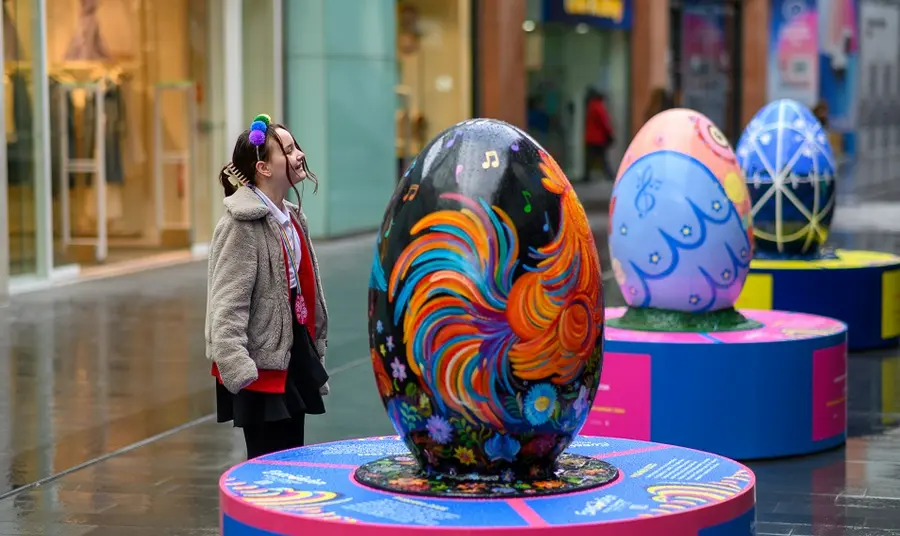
[[305, 376]]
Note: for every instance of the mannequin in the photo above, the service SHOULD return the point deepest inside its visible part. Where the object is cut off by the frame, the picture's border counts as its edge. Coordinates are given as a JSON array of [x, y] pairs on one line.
[[87, 43], [12, 46]]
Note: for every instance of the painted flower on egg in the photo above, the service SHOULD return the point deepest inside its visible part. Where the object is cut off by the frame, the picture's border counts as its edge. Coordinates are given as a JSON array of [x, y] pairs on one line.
[[680, 227], [789, 166]]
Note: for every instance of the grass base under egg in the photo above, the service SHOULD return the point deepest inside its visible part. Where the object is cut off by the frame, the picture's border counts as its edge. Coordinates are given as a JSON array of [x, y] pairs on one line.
[[665, 320]]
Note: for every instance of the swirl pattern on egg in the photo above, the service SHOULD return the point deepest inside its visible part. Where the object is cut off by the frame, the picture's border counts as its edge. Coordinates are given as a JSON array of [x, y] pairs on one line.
[[680, 228]]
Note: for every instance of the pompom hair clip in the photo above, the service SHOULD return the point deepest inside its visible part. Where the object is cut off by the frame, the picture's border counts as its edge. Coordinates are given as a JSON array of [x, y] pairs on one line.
[[258, 129]]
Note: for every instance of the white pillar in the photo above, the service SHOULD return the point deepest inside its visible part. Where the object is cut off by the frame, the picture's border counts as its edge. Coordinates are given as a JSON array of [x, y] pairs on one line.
[[278, 59], [233, 46], [225, 92], [43, 175]]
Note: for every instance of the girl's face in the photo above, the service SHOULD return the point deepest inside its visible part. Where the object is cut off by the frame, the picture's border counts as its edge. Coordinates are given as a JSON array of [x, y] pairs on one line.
[[286, 165]]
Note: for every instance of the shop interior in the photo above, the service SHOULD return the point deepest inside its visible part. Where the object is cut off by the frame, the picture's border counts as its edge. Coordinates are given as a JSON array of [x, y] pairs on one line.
[[125, 94], [433, 71], [565, 62]]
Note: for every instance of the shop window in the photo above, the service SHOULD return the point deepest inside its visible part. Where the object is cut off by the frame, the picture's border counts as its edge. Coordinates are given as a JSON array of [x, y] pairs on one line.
[[126, 89], [20, 136], [434, 71], [570, 56]]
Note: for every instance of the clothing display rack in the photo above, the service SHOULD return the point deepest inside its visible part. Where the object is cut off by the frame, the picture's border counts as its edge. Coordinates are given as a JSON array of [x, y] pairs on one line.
[[163, 157], [95, 165]]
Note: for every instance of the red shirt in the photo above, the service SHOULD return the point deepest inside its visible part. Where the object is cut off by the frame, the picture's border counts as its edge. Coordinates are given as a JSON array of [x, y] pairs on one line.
[[597, 127]]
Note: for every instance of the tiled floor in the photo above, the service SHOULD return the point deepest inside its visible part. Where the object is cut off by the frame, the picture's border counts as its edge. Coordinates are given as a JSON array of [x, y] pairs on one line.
[[106, 401]]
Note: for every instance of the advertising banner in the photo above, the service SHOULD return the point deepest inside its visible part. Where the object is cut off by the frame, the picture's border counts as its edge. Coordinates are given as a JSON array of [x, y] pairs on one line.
[[793, 51], [876, 96], [606, 14], [705, 61]]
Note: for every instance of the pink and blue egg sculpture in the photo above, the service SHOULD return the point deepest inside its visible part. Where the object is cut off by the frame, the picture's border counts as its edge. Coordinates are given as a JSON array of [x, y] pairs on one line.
[[486, 320], [680, 235], [681, 361]]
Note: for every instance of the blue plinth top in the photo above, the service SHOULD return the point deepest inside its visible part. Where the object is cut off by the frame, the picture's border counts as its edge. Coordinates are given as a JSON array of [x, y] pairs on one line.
[[315, 485]]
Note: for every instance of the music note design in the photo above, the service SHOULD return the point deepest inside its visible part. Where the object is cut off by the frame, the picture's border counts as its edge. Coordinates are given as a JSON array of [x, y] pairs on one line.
[[644, 200], [411, 193], [491, 160], [452, 140], [527, 196], [546, 222]]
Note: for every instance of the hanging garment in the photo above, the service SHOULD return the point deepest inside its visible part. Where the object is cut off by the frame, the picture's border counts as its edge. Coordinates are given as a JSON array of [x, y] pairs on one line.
[[20, 151], [82, 140]]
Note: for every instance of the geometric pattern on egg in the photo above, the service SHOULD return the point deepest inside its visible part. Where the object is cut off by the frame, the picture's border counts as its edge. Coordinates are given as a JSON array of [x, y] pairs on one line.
[[789, 165]]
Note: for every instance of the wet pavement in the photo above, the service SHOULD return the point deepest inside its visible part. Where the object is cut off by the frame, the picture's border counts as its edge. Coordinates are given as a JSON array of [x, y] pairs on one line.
[[106, 403]]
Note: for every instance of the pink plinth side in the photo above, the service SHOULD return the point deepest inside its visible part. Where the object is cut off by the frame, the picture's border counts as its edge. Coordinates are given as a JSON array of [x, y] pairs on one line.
[[778, 326], [829, 391], [624, 395], [683, 388]]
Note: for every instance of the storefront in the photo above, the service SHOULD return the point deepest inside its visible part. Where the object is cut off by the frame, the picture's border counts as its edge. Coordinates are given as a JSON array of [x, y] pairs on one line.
[[116, 124], [573, 48], [706, 61], [434, 71]]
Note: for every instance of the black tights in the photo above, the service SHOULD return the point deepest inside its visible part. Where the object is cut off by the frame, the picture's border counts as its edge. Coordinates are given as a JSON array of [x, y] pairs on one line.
[[268, 437]]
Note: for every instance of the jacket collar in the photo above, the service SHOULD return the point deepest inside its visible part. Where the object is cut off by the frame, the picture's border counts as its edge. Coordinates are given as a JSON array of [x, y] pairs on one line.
[[245, 205]]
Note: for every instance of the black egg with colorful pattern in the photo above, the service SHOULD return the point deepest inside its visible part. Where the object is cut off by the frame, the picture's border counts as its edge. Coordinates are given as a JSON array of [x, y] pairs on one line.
[[486, 308]]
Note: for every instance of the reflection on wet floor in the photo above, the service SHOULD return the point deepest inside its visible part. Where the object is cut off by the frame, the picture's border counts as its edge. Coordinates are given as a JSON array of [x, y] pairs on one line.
[[114, 370]]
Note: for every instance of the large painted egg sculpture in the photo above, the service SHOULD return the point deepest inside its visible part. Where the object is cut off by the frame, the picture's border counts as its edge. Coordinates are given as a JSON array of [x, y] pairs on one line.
[[789, 166], [681, 236], [485, 306]]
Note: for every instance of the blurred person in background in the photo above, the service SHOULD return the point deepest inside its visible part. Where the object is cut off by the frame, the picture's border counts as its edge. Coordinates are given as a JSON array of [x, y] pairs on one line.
[[821, 113], [266, 323], [660, 101], [538, 118], [598, 135]]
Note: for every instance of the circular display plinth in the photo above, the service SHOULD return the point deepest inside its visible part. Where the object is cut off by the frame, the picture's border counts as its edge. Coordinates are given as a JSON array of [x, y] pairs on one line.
[[401, 474], [660, 489], [859, 288], [779, 390]]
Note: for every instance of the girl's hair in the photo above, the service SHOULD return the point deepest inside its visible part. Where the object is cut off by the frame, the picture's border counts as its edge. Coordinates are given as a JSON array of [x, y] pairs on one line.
[[246, 155]]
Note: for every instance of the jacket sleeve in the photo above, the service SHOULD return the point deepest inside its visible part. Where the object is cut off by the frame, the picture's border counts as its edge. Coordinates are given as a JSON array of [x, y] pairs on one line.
[[233, 262]]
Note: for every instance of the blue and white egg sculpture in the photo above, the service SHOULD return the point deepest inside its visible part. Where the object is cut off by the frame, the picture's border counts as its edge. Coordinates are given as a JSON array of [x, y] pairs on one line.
[[681, 236], [787, 160]]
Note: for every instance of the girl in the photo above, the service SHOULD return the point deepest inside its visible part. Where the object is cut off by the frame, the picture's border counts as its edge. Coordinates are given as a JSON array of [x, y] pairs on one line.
[[266, 320]]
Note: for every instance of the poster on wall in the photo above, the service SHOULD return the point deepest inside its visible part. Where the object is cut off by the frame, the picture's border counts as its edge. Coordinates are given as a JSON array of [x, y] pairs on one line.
[[879, 24], [838, 82], [705, 61], [877, 138], [793, 51]]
